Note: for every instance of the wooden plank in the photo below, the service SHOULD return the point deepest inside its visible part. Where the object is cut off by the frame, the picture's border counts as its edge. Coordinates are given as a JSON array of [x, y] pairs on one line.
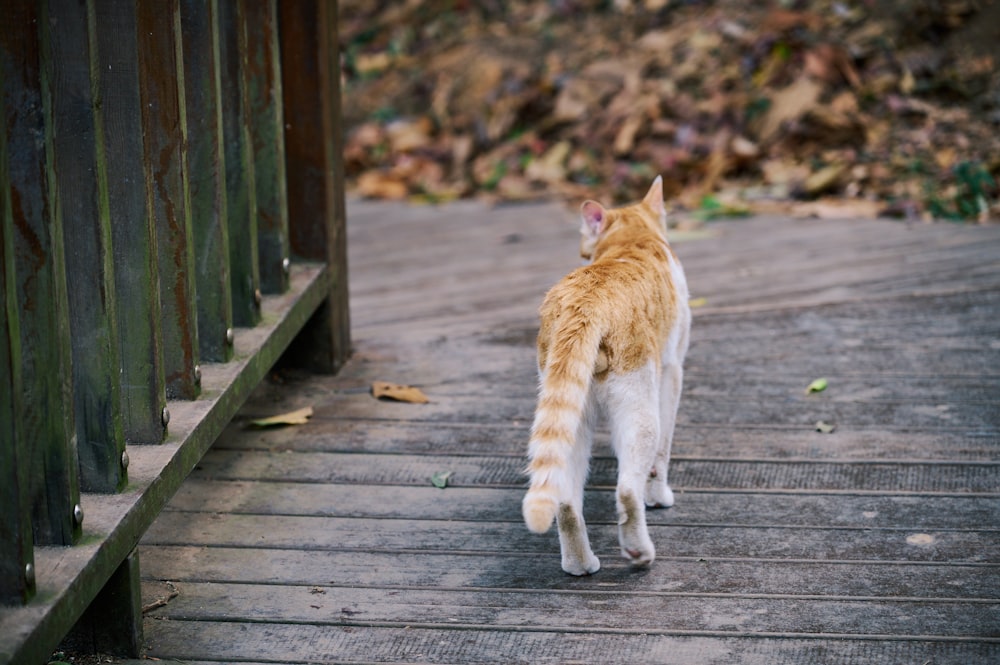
[[707, 541], [801, 415], [81, 177], [68, 577], [262, 79], [241, 193], [540, 571], [310, 84], [17, 563], [457, 303], [39, 280], [894, 399], [206, 176], [161, 91], [693, 507], [133, 235], [497, 361], [918, 477], [878, 254], [691, 441], [580, 610], [296, 643], [882, 255]]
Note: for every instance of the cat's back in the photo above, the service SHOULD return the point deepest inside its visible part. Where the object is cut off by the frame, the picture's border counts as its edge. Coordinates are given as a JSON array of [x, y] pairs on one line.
[[634, 291], [633, 275]]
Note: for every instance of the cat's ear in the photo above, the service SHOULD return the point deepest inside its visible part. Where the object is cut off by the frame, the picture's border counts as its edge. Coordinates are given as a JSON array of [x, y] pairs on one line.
[[654, 197], [594, 218]]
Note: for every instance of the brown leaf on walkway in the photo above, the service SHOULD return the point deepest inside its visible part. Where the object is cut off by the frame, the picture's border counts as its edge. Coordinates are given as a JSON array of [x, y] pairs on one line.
[[398, 393], [298, 417]]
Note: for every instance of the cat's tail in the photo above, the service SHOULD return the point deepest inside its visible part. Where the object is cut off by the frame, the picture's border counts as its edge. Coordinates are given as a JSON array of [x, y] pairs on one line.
[[565, 385]]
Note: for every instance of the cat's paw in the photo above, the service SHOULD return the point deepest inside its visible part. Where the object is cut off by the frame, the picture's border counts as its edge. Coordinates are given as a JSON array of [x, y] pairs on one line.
[[658, 494], [639, 557], [633, 536], [588, 566]]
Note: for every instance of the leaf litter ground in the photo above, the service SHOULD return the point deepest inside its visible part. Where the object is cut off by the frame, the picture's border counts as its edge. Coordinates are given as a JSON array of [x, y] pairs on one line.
[[815, 108]]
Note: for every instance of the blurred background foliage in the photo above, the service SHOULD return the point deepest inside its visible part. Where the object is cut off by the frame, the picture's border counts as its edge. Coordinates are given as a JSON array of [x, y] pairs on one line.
[[811, 107]]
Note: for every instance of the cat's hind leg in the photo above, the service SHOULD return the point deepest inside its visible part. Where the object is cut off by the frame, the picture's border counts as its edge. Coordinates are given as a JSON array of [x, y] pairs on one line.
[[633, 411], [577, 556], [658, 492]]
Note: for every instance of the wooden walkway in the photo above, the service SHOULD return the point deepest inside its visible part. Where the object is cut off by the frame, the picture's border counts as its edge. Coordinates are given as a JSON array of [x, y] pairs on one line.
[[877, 543]]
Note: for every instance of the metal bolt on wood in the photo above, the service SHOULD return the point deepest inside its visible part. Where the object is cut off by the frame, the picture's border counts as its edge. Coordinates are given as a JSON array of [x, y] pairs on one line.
[[29, 574], [286, 265], [165, 416], [124, 459], [78, 514], [257, 297], [197, 374], [230, 336]]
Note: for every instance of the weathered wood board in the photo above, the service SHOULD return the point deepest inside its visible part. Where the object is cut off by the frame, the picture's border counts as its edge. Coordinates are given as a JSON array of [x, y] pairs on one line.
[[879, 542]]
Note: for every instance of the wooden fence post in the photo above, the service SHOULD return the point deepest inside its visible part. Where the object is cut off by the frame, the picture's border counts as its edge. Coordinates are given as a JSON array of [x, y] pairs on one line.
[[161, 89], [138, 138], [38, 273], [310, 72], [207, 176], [17, 563], [83, 208], [241, 194], [262, 79], [133, 235]]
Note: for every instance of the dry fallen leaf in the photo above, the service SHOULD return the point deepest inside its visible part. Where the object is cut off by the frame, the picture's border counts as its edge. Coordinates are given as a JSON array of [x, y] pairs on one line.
[[746, 96], [299, 417], [440, 479], [825, 427], [788, 104], [398, 393], [817, 386]]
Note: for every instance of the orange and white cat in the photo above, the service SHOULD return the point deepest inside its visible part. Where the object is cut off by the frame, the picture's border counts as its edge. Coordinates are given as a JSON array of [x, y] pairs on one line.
[[613, 337]]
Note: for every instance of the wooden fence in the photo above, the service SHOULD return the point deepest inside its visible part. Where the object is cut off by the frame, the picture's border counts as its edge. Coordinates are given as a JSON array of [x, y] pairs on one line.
[[172, 222]]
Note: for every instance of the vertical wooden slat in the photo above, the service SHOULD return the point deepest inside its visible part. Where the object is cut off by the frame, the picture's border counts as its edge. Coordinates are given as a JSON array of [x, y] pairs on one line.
[[311, 90], [133, 235], [83, 199], [112, 623], [161, 89], [16, 554], [241, 195], [206, 168], [263, 85], [39, 281]]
